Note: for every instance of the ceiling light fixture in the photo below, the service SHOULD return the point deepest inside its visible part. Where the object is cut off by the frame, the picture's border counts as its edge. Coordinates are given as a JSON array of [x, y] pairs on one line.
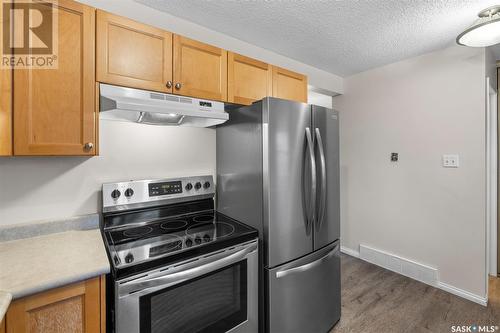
[[485, 31]]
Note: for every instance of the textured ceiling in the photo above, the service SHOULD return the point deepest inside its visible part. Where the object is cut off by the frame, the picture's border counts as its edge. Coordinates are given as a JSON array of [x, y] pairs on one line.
[[341, 37]]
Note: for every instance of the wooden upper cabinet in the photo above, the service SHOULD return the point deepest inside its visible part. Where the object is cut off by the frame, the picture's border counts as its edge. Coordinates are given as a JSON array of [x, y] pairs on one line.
[[5, 112], [200, 70], [73, 308], [248, 80], [133, 54], [289, 85], [54, 108], [5, 105]]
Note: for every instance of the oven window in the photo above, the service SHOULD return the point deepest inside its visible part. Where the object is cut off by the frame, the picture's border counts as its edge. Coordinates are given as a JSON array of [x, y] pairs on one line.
[[215, 302]]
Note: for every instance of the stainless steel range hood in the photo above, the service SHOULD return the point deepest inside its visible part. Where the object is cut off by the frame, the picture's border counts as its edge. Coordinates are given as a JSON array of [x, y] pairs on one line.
[[147, 107]]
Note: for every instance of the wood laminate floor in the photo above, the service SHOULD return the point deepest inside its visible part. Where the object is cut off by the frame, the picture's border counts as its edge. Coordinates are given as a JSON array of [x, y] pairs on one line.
[[377, 300]]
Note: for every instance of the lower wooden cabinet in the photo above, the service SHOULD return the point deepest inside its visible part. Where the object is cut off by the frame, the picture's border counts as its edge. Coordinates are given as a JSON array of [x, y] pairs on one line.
[[79, 307], [289, 85], [2, 326]]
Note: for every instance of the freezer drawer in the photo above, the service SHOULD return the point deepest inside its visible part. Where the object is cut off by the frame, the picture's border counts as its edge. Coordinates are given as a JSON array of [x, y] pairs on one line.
[[304, 295]]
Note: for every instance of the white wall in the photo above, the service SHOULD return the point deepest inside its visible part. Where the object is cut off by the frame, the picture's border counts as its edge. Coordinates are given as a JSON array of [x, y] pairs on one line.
[[141, 13], [422, 108], [320, 99], [46, 188]]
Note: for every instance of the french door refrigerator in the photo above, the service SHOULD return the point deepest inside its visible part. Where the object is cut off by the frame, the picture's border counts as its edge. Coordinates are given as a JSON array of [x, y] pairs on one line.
[[278, 171]]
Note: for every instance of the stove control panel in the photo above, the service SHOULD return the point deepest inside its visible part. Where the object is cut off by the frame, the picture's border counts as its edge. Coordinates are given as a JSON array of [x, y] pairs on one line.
[[164, 188], [125, 195]]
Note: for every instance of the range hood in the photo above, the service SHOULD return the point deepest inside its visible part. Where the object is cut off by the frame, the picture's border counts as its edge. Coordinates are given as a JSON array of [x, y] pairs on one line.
[[147, 107]]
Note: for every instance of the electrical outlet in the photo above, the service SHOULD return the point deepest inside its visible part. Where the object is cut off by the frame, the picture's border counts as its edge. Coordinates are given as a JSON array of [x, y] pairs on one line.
[[450, 161]]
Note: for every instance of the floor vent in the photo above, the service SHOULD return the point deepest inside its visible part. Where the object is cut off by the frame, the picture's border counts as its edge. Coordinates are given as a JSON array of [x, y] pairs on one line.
[[406, 267]]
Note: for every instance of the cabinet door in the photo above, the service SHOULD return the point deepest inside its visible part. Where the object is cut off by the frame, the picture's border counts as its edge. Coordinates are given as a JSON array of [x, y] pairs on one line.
[[289, 85], [5, 112], [74, 308], [248, 80], [133, 54], [54, 108], [200, 70], [5, 105]]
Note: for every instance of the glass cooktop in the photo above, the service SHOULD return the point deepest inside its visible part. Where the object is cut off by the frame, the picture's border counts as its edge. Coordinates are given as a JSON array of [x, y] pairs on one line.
[[145, 241]]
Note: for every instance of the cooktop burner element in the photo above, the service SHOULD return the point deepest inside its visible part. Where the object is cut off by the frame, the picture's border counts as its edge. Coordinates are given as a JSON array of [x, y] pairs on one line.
[[213, 230], [204, 218], [173, 225], [137, 232]]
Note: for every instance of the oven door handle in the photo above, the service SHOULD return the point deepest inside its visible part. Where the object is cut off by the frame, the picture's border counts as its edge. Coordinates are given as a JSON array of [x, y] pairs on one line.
[[183, 275]]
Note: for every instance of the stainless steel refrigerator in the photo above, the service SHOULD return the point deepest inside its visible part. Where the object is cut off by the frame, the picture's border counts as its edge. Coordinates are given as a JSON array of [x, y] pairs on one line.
[[278, 171]]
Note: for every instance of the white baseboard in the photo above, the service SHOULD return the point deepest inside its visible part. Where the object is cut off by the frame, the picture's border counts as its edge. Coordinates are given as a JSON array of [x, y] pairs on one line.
[[351, 252], [462, 293], [403, 266], [412, 269]]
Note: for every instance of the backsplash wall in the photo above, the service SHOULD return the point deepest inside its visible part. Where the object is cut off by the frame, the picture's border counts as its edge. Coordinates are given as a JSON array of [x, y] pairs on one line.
[[52, 188]]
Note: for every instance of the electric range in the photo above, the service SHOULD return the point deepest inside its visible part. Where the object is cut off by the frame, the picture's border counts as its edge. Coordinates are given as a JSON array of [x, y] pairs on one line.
[[167, 244]]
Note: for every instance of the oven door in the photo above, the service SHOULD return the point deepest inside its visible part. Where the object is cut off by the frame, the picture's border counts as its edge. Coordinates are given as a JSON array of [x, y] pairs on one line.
[[213, 293]]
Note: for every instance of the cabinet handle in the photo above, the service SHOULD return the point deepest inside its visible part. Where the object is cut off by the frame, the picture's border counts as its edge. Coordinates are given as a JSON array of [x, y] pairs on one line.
[[169, 84], [178, 85], [88, 146]]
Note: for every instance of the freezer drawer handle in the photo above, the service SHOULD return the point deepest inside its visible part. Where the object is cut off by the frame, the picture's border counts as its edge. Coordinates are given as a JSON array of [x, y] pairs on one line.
[[311, 214], [280, 274], [322, 202]]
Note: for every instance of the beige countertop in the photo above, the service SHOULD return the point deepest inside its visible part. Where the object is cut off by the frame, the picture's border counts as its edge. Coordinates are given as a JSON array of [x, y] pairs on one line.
[[32, 265], [5, 299]]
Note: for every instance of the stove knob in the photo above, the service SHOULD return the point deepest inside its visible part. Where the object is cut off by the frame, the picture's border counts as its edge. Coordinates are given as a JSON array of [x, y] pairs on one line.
[[129, 192], [197, 240], [189, 186], [206, 185], [206, 238], [129, 258], [115, 194], [197, 185], [189, 242]]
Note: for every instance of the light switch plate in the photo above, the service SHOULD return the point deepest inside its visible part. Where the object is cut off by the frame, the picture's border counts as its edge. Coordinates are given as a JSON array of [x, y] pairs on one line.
[[450, 161]]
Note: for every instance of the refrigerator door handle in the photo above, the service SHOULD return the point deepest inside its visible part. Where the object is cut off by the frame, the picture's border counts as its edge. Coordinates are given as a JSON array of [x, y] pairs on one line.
[[302, 268], [322, 202], [312, 206]]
